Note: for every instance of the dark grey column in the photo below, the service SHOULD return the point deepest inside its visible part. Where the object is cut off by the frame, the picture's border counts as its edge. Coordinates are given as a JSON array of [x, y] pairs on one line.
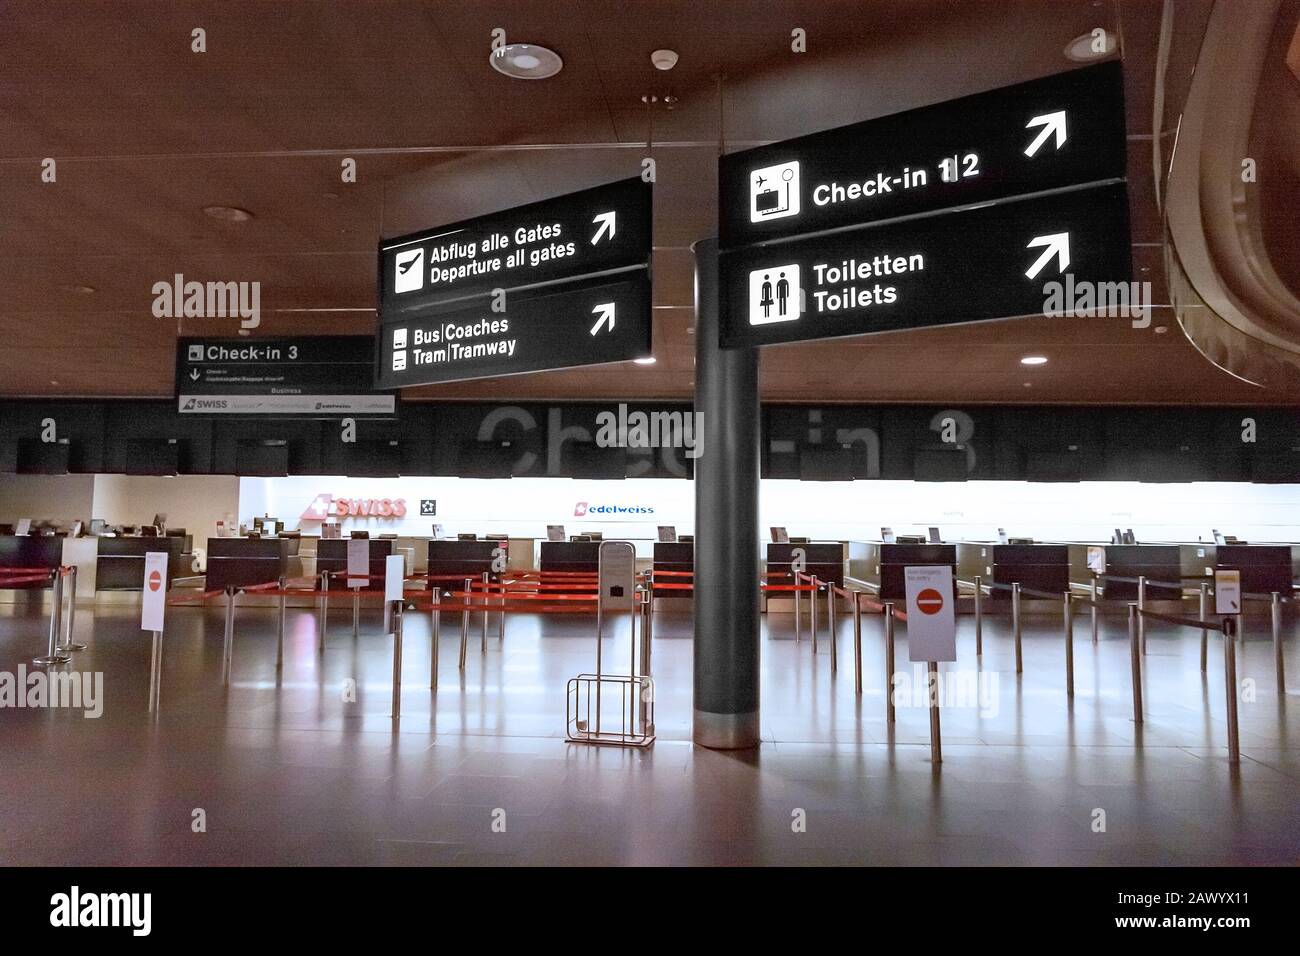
[[726, 526]]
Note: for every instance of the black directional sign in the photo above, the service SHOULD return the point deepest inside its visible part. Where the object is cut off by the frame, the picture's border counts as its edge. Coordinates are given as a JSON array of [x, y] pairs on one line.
[[992, 262], [554, 327], [582, 234], [1057, 131], [311, 376], [554, 284]]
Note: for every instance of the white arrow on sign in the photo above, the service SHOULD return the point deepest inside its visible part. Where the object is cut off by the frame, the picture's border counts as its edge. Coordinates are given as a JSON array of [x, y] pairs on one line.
[[606, 220], [1051, 123], [606, 310], [1057, 245], [194, 375]]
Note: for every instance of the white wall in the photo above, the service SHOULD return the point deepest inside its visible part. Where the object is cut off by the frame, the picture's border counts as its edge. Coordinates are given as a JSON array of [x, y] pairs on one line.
[[971, 510], [193, 502], [64, 498]]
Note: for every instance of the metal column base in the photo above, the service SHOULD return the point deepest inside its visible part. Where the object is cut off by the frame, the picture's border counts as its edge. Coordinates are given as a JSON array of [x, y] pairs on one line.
[[725, 731]]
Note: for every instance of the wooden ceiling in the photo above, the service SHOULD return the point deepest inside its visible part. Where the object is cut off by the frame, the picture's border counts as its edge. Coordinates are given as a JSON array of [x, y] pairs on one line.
[[146, 133]]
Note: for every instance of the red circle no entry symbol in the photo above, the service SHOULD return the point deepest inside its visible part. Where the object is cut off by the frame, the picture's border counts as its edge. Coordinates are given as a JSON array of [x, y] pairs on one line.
[[155, 580], [929, 601]]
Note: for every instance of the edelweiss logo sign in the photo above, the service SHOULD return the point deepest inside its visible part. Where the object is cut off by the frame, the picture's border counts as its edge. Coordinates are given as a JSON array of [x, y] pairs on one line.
[[582, 510], [327, 506]]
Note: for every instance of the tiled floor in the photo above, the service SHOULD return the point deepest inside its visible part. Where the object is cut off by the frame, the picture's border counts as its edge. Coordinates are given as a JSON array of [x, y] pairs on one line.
[[287, 772]]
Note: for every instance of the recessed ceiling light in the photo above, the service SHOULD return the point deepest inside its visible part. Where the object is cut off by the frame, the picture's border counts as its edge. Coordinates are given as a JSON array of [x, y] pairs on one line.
[[53, 382], [1081, 49], [650, 360], [1034, 360], [79, 289], [1161, 329], [228, 213], [526, 61]]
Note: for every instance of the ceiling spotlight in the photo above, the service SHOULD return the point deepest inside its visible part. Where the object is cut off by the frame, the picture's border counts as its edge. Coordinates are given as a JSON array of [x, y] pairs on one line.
[[526, 61], [664, 59], [1083, 49], [1034, 360], [650, 360], [79, 289], [228, 213]]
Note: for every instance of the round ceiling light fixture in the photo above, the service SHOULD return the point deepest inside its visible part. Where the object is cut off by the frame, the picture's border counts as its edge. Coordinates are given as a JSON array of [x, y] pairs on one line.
[[526, 61], [664, 59], [1084, 49], [228, 213], [1034, 360]]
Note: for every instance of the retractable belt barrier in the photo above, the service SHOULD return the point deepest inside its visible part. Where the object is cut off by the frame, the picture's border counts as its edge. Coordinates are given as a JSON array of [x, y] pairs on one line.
[[61, 645]]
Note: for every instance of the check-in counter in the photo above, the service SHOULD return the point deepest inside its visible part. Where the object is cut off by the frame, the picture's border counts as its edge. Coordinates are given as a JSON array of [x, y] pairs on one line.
[[463, 559], [119, 562], [332, 555], [1040, 567], [31, 551], [240, 562], [674, 556], [1264, 568], [823, 559], [1157, 562], [895, 557], [570, 556]]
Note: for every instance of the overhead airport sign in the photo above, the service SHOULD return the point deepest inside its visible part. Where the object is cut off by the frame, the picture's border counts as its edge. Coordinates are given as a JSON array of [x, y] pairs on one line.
[[592, 232], [550, 328], [576, 277], [1057, 131], [967, 266], [309, 376]]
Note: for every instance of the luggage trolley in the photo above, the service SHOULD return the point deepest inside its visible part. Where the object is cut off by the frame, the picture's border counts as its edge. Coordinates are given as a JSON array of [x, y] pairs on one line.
[[589, 712]]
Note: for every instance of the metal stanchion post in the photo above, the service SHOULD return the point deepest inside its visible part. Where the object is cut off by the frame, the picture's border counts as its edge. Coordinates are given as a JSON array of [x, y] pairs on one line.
[[812, 610], [501, 616], [227, 651], [54, 654], [155, 673], [1142, 606], [279, 642], [464, 624], [1205, 632], [857, 644], [1069, 644], [397, 658], [1279, 662], [1135, 656], [68, 643], [936, 752], [798, 609], [979, 615], [1094, 609], [483, 639], [435, 630], [356, 612], [1015, 625], [1230, 686], [324, 608], [830, 618], [889, 661]]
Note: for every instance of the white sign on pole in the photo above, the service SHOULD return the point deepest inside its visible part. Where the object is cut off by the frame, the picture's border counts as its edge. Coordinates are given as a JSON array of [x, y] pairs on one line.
[[394, 574], [1227, 592], [154, 605], [1096, 559], [24, 526], [931, 621], [617, 575], [358, 561]]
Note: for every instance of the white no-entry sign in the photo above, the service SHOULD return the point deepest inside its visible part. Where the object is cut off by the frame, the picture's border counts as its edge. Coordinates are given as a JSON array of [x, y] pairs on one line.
[[931, 621], [154, 605]]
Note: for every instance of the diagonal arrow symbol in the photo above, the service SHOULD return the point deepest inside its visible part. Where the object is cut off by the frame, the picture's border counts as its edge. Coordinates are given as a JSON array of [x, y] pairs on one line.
[[606, 220], [1050, 123], [606, 310], [1057, 245]]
